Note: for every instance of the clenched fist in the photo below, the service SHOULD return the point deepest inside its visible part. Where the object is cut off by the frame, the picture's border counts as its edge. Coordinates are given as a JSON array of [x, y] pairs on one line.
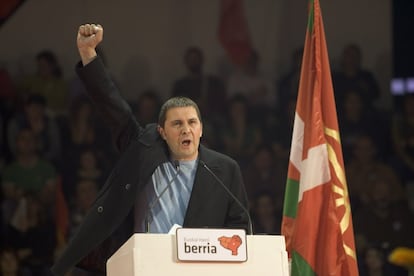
[[89, 36]]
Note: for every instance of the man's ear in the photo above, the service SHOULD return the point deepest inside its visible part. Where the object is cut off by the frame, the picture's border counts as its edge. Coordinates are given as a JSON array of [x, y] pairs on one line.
[[161, 132]]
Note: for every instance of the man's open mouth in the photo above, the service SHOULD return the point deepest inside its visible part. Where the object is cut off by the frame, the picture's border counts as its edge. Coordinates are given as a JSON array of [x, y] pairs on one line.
[[186, 142]]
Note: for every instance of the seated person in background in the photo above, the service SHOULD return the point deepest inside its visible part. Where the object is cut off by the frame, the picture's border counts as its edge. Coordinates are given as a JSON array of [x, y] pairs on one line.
[[43, 126], [266, 217], [385, 219], [10, 264], [81, 131], [365, 165], [263, 173], [355, 121], [47, 81], [90, 164], [29, 173], [146, 107], [373, 262], [32, 232], [240, 136], [86, 192], [352, 77]]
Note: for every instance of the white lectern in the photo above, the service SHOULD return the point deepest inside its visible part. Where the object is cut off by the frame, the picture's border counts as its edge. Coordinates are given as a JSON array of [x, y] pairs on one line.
[[156, 254]]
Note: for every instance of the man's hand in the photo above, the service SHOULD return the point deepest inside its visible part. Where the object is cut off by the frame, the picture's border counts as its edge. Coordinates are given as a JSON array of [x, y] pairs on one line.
[[89, 36]]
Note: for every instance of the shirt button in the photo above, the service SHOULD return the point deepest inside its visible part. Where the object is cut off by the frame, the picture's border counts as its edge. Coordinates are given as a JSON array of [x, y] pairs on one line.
[[100, 209], [127, 186]]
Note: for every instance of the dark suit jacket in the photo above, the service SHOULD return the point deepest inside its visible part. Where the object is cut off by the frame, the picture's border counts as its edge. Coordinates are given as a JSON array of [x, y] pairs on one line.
[[143, 150]]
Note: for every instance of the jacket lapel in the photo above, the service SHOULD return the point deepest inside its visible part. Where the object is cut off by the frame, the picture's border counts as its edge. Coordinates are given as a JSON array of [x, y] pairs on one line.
[[155, 148], [203, 186]]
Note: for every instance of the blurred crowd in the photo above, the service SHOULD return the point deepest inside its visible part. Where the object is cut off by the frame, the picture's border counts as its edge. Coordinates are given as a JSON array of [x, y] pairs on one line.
[[54, 146]]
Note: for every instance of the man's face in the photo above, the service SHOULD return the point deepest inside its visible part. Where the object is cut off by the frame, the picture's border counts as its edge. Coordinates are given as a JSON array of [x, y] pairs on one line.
[[182, 131]]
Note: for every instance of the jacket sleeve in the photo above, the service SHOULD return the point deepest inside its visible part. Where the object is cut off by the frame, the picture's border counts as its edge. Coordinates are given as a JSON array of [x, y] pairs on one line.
[[114, 110]]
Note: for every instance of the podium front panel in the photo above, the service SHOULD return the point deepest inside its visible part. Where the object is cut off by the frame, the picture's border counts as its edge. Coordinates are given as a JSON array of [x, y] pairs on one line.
[[156, 254]]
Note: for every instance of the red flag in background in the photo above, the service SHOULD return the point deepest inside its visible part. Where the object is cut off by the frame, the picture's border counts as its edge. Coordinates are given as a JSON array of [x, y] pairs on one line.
[[7, 8], [233, 31], [317, 220]]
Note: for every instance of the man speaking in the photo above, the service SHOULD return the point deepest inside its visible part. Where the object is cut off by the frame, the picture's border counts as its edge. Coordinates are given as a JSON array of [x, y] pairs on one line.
[[163, 177]]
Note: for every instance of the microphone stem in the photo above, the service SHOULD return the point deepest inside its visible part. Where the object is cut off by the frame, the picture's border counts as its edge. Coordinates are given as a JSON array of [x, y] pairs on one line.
[[249, 220]]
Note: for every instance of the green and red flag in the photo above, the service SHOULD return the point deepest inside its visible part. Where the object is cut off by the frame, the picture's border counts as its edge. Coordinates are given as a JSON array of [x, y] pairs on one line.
[[317, 220]]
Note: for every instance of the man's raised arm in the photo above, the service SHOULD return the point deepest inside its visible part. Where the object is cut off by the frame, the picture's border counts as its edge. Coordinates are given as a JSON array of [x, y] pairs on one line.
[[100, 87]]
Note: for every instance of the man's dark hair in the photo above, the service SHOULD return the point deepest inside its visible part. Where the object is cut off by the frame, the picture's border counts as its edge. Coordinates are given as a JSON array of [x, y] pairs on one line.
[[176, 102]]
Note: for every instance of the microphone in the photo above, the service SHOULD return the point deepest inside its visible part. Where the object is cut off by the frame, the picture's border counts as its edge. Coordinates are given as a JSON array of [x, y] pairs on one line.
[[157, 199], [249, 220]]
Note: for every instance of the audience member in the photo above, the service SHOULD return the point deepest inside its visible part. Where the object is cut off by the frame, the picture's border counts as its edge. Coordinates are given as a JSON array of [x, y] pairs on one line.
[[374, 263], [383, 220], [32, 233], [29, 173], [147, 107], [48, 81], [266, 217], [79, 128], [202, 88], [352, 77], [262, 174], [249, 82], [240, 137], [90, 165], [86, 192], [43, 126], [354, 122], [365, 165], [10, 263]]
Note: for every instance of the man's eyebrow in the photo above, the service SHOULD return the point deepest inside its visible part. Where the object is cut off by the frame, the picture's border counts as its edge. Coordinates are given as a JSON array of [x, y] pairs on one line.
[[193, 119]]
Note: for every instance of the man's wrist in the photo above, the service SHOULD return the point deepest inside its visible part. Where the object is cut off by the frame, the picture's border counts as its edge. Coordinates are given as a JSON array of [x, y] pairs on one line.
[[87, 55]]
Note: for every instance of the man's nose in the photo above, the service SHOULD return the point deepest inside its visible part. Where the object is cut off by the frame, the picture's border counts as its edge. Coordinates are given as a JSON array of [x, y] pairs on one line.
[[186, 128]]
